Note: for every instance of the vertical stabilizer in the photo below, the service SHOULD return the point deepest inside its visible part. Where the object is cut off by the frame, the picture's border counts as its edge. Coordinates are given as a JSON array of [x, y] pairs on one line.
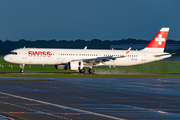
[[157, 44]]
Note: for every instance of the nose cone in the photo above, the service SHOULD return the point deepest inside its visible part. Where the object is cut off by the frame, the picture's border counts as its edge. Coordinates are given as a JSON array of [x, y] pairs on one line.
[[7, 58]]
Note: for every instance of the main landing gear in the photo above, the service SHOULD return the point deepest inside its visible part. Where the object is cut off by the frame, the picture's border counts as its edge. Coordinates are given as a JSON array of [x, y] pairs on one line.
[[82, 70], [91, 71]]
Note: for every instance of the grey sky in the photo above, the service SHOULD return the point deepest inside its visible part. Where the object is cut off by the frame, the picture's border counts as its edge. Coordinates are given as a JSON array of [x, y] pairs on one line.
[[88, 19]]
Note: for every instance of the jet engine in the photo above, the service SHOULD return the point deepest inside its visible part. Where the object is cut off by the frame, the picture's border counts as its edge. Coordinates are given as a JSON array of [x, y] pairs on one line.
[[61, 67], [75, 65]]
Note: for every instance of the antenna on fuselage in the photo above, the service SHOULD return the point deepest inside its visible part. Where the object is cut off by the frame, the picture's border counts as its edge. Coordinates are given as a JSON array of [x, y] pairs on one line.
[[24, 46], [85, 47]]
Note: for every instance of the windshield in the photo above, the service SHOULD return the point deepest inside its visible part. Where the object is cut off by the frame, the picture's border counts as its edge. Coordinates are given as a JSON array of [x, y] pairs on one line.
[[13, 53]]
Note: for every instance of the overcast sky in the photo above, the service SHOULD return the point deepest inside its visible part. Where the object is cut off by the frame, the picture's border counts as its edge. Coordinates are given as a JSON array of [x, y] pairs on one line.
[[88, 19]]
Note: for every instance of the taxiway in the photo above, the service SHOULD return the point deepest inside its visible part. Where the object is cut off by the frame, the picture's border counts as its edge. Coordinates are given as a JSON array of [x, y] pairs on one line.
[[90, 98]]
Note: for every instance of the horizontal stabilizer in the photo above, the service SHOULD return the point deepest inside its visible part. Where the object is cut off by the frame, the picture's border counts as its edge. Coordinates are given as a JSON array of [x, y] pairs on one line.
[[162, 55]]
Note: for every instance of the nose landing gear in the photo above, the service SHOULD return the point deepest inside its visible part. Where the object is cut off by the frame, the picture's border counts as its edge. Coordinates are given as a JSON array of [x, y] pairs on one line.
[[22, 71], [22, 68]]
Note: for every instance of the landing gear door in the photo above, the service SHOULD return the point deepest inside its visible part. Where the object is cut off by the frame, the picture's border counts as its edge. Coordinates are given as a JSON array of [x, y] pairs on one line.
[[143, 56]]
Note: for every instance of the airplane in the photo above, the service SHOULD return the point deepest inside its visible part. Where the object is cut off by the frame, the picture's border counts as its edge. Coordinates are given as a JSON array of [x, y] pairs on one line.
[[79, 59]]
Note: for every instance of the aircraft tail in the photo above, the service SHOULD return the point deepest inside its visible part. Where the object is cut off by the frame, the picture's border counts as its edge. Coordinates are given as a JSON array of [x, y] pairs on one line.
[[157, 44]]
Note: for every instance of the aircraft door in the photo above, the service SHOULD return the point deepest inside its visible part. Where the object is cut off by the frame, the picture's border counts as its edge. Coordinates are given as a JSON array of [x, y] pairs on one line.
[[57, 54], [24, 54], [143, 56]]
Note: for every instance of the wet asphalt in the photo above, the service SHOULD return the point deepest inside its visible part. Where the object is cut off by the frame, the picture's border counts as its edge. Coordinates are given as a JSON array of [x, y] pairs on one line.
[[90, 98]]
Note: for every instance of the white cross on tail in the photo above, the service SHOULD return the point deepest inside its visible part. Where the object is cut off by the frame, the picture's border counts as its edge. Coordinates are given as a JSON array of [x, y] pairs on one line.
[[160, 39]]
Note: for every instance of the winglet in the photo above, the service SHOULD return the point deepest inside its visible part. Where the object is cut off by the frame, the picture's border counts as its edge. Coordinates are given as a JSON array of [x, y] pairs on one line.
[[128, 50], [125, 53]]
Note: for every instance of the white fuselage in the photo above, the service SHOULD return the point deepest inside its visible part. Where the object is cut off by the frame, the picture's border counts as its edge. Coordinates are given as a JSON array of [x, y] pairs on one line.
[[47, 56]]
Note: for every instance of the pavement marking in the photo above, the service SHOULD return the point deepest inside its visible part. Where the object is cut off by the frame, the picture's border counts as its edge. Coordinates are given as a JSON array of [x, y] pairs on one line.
[[32, 104], [72, 113], [3, 97], [16, 112], [62, 106], [34, 110], [5, 118]]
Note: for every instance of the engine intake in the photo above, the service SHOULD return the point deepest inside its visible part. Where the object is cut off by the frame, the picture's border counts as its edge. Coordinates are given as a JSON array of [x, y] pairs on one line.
[[75, 65], [61, 67]]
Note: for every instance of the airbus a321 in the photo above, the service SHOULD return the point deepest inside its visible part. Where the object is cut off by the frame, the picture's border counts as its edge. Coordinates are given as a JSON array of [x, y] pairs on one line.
[[78, 59]]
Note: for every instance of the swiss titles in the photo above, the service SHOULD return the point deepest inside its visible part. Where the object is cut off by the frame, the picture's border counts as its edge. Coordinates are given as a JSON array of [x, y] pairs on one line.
[[39, 53]]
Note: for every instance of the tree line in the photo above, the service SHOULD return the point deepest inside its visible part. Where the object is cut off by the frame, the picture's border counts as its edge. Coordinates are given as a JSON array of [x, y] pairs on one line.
[[8, 45]]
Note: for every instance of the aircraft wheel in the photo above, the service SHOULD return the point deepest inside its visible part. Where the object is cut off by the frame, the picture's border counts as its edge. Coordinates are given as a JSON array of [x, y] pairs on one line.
[[21, 71], [91, 71], [82, 70]]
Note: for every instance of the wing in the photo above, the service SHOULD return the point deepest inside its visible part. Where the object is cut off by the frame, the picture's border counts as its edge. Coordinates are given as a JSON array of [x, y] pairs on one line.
[[97, 60]]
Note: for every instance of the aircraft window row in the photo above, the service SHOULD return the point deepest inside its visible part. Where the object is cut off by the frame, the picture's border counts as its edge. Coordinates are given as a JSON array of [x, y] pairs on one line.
[[113, 55], [80, 54], [132, 55], [69, 54], [97, 55], [13, 53], [122, 55], [87, 54]]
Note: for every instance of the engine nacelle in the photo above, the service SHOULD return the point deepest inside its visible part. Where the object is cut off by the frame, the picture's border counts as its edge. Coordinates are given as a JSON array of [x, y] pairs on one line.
[[75, 65], [61, 67]]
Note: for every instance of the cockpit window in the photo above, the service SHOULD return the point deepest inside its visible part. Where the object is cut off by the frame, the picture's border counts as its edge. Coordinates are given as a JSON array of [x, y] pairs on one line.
[[13, 53]]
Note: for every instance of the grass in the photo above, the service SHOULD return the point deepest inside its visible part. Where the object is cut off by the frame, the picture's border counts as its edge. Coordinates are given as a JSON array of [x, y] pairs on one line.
[[153, 67], [29, 68]]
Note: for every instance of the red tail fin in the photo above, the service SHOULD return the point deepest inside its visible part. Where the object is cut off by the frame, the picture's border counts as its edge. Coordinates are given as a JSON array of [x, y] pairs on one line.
[[159, 41]]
